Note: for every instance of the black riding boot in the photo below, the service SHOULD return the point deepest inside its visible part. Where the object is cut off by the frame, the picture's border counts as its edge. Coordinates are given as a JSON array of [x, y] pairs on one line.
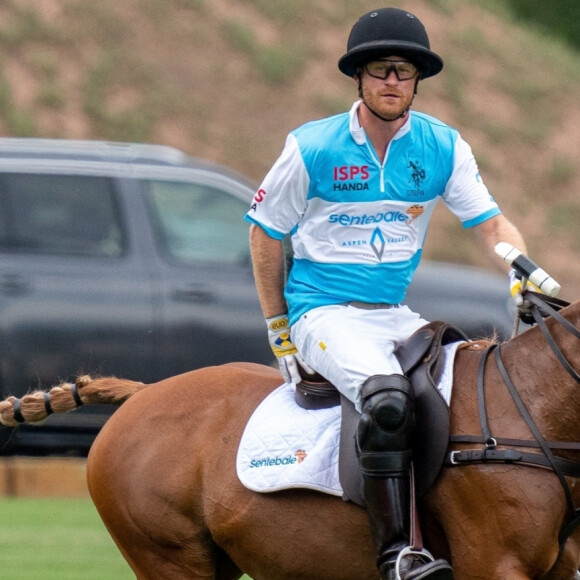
[[384, 444]]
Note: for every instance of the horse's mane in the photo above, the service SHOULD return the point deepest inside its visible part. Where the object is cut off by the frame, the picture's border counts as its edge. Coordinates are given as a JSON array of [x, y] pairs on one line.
[[38, 405], [480, 344]]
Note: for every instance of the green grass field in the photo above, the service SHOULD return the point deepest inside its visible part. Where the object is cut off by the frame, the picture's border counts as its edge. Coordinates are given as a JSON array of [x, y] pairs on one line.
[[57, 539]]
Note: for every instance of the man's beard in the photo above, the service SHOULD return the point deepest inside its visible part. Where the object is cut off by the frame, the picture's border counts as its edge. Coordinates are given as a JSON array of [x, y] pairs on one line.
[[373, 105]]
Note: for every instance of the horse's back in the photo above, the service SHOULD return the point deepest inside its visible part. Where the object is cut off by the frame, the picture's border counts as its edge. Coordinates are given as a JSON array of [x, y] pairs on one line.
[[177, 416]]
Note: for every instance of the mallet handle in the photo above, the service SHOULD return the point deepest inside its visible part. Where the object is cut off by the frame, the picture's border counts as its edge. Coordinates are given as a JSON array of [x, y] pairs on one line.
[[527, 268]]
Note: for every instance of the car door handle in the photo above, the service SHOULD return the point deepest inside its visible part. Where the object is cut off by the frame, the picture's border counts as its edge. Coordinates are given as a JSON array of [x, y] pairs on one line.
[[193, 293], [13, 285]]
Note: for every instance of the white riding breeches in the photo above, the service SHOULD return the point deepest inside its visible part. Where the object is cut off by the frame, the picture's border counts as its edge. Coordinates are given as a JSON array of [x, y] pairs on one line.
[[347, 344]]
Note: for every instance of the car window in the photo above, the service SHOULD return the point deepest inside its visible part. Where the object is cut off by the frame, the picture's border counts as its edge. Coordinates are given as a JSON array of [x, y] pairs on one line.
[[59, 214], [197, 223]]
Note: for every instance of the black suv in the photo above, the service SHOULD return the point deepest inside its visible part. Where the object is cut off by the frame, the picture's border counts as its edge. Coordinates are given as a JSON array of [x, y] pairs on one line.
[[133, 260]]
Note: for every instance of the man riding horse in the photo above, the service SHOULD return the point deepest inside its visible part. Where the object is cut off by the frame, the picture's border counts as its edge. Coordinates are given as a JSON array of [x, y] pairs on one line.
[[355, 192]]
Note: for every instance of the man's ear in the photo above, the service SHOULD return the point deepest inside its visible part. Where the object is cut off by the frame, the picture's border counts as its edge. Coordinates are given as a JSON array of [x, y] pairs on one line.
[[358, 81]]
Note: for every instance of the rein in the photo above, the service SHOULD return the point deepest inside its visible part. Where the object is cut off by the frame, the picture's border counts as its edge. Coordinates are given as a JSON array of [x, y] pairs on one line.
[[541, 306]]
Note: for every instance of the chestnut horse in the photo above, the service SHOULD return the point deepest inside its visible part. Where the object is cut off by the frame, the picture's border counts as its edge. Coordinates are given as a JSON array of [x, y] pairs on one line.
[[162, 474]]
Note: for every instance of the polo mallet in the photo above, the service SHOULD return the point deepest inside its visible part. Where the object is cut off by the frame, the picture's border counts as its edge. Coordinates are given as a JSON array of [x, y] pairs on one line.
[[529, 271]]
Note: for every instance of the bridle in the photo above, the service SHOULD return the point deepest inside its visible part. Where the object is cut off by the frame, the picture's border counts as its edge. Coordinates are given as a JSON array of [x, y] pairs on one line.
[[541, 306]]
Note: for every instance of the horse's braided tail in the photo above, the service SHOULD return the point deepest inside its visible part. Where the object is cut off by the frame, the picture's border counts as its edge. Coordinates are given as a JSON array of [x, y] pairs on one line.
[[38, 405]]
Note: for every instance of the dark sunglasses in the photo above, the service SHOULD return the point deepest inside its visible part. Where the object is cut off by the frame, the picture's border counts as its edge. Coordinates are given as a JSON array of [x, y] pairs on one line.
[[381, 69]]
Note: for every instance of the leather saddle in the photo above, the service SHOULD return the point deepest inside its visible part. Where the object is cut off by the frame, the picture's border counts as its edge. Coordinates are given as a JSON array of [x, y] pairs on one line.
[[422, 359]]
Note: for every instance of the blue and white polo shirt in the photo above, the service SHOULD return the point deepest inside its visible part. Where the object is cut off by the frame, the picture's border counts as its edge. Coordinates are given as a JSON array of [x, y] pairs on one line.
[[358, 225]]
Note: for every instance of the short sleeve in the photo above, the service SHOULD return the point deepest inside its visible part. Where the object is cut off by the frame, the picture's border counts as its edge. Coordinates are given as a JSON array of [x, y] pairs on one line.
[[281, 199]]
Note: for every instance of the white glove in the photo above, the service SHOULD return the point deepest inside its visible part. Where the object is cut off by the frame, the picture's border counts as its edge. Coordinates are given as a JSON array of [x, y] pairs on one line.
[[284, 349]]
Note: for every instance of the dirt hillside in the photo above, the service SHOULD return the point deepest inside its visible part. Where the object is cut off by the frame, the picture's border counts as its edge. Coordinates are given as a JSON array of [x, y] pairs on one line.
[[227, 79]]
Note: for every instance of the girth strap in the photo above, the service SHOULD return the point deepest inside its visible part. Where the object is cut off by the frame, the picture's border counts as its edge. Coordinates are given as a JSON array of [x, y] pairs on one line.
[[564, 445], [511, 456], [558, 465], [534, 429]]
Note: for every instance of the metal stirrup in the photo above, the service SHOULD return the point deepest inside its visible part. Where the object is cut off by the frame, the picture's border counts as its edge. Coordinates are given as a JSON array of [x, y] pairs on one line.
[[424, 554]]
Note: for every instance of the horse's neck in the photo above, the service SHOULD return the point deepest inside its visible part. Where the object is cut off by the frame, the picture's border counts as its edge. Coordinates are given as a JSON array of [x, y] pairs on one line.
[[547, 389]]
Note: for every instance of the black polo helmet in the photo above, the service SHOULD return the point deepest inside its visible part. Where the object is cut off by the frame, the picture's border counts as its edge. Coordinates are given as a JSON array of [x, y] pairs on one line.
[[389, 31]]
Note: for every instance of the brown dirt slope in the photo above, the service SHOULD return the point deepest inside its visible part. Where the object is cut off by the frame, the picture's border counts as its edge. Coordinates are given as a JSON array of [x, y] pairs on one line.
[[227, 79]]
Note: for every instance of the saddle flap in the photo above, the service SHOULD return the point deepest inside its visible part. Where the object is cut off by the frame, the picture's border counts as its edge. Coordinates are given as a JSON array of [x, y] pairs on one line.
[[426, 365], [415, 349], [424, 346]]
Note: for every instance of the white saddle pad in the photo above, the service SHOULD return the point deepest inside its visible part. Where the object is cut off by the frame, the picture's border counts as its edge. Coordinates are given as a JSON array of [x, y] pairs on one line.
[[285, 446]]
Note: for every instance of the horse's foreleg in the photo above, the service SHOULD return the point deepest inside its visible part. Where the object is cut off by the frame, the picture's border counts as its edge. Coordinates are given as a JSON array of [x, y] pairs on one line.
[[567, 568], [501, 521]]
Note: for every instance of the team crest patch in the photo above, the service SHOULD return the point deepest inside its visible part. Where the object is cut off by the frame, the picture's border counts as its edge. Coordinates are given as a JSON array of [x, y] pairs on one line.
[[418, 174], [415, 211]]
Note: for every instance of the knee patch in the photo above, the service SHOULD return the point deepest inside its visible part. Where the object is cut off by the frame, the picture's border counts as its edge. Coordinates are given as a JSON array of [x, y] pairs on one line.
[[389, 409], [387, 420]]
